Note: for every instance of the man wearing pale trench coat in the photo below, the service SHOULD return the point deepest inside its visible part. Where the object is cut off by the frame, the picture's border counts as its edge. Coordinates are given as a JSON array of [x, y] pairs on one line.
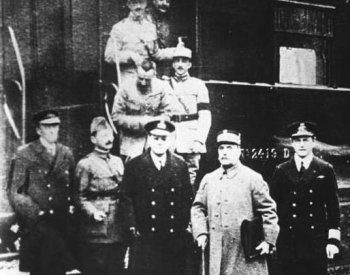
[[226, 197]]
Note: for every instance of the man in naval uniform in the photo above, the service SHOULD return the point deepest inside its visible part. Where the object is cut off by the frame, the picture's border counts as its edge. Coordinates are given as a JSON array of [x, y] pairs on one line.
[[227, 196], [157, 196], [306, 193], [135, 105], [98, 175], [134, 39], [191, 112], [41, 193]]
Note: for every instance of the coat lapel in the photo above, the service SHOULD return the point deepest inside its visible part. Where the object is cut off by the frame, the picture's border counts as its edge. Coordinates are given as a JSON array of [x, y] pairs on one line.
[[311, 172], [291, 171], [42, 154], [157, 177]]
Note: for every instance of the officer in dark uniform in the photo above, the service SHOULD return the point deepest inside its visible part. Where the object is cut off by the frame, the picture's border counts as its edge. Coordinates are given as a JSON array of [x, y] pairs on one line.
[[305, 190], [41, 193], [157, 199]]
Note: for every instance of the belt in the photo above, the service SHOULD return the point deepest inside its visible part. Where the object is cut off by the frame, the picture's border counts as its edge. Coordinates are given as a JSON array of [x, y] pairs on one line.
[[188, 117]]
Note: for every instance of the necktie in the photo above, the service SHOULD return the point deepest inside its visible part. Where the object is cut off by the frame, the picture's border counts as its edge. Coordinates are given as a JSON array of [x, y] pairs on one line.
[[302, 169]]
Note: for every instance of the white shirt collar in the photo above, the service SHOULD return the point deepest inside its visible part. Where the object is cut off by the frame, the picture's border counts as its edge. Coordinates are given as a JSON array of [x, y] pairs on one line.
[[158, 161], [306, 161]]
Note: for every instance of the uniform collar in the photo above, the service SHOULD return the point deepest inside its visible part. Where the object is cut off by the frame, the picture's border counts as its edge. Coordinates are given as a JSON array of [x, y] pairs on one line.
[[101, 153], [306, 161], [134, 19], [181, 78], [50, 147], [157, 160], [230, 172]]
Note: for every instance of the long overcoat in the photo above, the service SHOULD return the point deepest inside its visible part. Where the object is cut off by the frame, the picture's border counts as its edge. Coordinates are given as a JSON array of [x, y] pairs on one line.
[[40, 182], [307, 208], [157, 203], [223, 201]]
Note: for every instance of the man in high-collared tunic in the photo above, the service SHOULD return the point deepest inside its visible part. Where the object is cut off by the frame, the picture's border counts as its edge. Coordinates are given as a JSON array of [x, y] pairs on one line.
[[157, 197], [227, 196], [41, 193], [191, 111], [305, 190], [98, 176], [134, 39], [135, 105]]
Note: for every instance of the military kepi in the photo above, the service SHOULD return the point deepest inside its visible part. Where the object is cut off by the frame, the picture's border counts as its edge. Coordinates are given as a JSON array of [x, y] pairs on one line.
[[301, 129], [228, 137], [98, 123], [159, 127], [47, 117]]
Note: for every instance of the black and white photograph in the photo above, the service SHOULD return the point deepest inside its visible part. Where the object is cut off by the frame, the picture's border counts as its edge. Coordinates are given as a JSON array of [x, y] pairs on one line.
[[175, 137]]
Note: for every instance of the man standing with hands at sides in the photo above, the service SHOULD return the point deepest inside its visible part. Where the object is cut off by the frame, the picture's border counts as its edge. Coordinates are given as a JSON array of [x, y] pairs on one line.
[[305, 190], [156, 197], [191, 112], [226, 197], [41, 193], [98, 175]]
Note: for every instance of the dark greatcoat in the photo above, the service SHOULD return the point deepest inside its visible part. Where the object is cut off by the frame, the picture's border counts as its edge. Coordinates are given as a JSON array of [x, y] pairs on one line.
[[157, 203], [307, 208], [41, 182]]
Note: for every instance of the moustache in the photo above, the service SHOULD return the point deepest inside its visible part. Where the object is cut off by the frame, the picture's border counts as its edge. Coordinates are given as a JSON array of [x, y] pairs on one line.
[[109, 143]]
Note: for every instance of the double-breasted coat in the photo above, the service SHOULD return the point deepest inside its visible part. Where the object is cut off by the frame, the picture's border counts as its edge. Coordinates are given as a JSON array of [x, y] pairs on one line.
[[307, 208], [223, 201], [157, 204], [41, 182]]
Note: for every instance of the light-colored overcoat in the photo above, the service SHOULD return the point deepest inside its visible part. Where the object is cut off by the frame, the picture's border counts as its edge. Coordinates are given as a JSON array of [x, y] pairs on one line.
[[223, 201]]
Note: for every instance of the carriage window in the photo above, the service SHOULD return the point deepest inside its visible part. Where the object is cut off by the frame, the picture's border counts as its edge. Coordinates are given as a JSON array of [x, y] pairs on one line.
[[297, 66]]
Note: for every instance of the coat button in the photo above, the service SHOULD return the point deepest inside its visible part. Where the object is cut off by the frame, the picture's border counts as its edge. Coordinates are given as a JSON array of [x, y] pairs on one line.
[[50, 198], [216, 215], [48, 186], [218, 203], [171, 230], [290, 227], [171, 203], [153, 229], [311, 203], [51, 211], [153, 216], [295, 192], [311, 215], [172, 189], [294, 205], [294, 216], [312, 227], [311, 191], [172, 217], [153, 190], [67, 185], [68, 199], [153, 203], [66, 172]]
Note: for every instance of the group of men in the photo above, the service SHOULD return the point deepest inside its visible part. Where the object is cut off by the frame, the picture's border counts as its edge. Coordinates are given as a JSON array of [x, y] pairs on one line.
[[85, 216]]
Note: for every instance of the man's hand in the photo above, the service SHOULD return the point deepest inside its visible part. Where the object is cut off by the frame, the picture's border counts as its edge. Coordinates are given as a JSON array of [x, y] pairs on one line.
[[99, 215], [197, 147], [202, 241], [331, 250], [264, 248]]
